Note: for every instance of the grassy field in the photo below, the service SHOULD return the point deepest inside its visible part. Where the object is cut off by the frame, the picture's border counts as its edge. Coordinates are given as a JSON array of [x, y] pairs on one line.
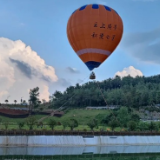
[[81, 115]]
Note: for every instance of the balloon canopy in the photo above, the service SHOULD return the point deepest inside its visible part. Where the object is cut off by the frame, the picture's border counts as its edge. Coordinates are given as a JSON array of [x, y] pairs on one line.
[[94, 31]]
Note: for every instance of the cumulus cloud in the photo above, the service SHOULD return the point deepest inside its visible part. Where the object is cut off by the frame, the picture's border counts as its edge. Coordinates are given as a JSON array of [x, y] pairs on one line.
[[72, 70], [145, 46], [22, 69], [129, 71], [44, 92]]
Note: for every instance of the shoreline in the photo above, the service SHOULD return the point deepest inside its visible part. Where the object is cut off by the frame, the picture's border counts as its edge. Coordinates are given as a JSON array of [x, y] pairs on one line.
[[78, 140]]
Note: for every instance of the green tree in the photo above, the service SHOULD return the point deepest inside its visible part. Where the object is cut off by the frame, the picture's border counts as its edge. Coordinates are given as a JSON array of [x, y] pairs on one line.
[[123, 116], [52, 123], [92, 124], [142, 126], [33, 98], [107, 119], [132, 125], [24, 101], [72, 123], [113, 124], [21, 124], [15, 101], [6, 123], [64, 123], [31, 122], [153, 126], [135, 117], [6, 101]]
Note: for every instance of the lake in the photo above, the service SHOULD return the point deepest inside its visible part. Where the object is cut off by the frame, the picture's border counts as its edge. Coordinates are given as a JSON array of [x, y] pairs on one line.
[[81, 153]]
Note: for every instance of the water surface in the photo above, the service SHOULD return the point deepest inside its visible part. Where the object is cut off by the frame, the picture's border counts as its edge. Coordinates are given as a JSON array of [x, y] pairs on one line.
[[81, 153]]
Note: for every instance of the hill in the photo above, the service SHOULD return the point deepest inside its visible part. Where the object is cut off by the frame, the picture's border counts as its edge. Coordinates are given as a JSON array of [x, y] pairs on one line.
[[128, 91]]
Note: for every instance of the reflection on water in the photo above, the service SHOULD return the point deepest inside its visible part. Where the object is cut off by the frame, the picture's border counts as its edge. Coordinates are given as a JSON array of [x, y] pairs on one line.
[[87, 157], [82, 153], [69, 150]]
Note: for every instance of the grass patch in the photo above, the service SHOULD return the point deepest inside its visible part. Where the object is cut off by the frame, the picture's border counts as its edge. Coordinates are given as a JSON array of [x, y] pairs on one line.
[[81, 115]]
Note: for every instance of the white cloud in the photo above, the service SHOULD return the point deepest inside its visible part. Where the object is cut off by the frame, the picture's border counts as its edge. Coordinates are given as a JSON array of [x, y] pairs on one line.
[[129, 71], [22, 69], [44, 92], [3, 93]]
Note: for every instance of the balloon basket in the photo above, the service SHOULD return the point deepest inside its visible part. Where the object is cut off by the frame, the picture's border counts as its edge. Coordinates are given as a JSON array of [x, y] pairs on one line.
[[92, 76]]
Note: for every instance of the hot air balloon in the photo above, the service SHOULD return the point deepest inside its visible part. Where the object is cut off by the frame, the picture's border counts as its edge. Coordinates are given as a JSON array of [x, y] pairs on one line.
[[94, 31]]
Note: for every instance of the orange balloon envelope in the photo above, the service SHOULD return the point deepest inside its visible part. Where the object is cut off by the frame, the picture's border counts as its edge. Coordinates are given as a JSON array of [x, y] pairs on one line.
[[94, 31]]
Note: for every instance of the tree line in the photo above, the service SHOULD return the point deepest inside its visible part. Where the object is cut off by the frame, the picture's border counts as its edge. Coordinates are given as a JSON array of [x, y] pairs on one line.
[[126, 91]]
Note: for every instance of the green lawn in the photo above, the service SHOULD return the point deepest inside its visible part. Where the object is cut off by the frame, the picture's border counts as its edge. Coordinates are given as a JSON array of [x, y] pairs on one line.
[[81, 115]]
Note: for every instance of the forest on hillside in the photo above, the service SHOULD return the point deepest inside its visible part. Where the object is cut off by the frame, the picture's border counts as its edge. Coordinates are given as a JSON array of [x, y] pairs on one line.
[[126, 91]]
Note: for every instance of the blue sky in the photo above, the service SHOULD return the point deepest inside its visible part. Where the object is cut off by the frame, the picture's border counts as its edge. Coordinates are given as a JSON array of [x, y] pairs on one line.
[[41, 24]]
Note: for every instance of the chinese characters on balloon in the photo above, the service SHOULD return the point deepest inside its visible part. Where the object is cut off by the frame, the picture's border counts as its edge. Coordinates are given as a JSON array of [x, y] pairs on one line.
[[102, 35], [109, 26]]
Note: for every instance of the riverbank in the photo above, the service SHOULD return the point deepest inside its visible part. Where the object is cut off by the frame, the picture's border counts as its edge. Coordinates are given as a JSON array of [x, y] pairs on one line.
[[78, 140]]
